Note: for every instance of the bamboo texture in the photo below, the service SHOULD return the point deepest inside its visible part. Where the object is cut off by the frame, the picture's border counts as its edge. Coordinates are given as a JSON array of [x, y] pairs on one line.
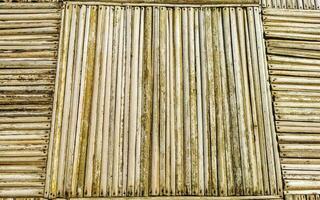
[[28, 50], [156, 101], [293, 62]]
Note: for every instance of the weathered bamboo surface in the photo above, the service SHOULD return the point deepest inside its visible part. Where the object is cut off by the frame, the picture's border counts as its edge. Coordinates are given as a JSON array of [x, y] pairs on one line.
[[306, 5], [155, 101], [28, 49], [293, 45]]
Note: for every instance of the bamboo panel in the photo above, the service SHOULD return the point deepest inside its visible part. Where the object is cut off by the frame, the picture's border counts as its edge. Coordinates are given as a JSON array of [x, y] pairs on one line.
[[27, 76], [293, 25], [293, 68], [155, 101]]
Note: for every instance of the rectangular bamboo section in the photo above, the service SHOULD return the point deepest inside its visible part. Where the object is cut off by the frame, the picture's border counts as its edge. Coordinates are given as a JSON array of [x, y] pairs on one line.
[[293, 45], [28, 57], [162, 101]]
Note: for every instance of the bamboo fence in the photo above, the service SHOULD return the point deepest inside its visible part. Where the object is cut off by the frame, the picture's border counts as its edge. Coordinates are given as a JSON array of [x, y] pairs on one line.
[[162, 101], [209, 99]]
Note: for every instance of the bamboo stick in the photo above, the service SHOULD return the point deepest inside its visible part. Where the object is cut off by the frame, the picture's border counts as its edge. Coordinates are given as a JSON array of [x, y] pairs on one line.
[[194, 73], [101, 62], [214, 101], [138, 187], [105, 165], [230, 129], [172, 107], [121, 131], [220, 62], [169, 116], [187, 123], [147, 101], [208, 103], [178, 101], [133, 104], [115, 177], [94, 48], [162, 100], [127, 99]]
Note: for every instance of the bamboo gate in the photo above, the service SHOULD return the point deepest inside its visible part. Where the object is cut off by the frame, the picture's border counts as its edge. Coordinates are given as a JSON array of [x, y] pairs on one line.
[[162, 99]]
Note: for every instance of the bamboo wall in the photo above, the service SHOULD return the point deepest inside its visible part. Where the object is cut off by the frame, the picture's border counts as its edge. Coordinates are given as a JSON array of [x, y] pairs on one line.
[[28, 50], [208, 99]]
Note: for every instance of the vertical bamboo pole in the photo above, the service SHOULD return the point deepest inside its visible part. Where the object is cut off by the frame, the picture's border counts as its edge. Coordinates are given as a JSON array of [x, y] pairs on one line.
[[93, 150], [122, 105], [114, 61], [193, 96], [116, 158], [220, 63], [172, 105], [100, 176], [147, 101], [186, 101], [155, 118], [93, 118], [77, 101], [127, 98], [90, 162], [138, 188], [106, 156], [203, 132], [168, 106], [178, 102], [162, 100], [214, 87], [133, 102]]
